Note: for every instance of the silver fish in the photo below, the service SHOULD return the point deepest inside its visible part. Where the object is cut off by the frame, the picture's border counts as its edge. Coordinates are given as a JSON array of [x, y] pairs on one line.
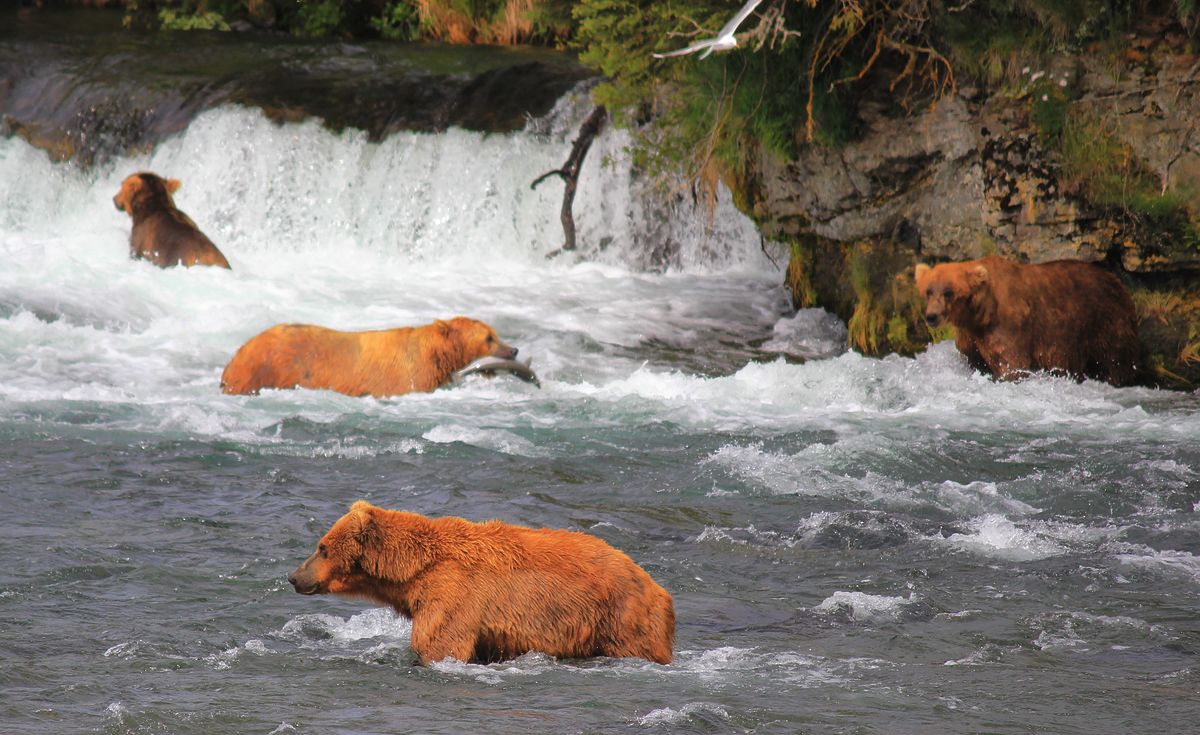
[[493, 365]]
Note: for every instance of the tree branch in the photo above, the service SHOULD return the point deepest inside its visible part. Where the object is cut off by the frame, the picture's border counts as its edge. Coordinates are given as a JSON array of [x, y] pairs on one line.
[[569, 173]]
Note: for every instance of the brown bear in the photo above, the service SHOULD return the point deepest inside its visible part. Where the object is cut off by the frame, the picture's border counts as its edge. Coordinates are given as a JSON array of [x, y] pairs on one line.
[[487, 592], [1066, 317], [161, 233], [385, 362]]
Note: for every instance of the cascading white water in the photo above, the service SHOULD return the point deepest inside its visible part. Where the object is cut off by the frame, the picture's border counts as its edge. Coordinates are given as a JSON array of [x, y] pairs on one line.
[[265, 191], [847, 537], [333, 229]]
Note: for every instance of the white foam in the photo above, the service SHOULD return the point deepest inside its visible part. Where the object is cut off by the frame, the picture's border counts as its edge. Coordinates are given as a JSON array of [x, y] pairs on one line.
[[1167, 561], [975, 497], [744, 536], [345, 450], [321, 628], [263, 190], [834, 470], [127, 649], [703, 711], [1079, 631], [862, 607], [996, 536], [225, 659], [117, 710], [528, 664], [809, 333], [334, 229], [497, 439]]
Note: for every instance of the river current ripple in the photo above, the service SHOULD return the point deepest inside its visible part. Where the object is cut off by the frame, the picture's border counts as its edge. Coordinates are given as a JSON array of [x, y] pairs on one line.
[[854, 545]]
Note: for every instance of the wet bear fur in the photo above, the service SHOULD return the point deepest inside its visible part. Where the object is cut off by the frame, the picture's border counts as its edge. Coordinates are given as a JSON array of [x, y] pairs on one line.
[[385, 362], [161, 233], [486, 592], [1065, 317]]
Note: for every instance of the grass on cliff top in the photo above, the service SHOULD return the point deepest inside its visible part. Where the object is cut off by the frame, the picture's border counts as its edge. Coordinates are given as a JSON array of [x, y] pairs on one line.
[[1097, 164]]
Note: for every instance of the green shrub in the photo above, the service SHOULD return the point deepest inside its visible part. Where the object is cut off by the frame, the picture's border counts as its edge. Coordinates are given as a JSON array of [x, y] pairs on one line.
[[318, 18], [400, 21], [170, 20]]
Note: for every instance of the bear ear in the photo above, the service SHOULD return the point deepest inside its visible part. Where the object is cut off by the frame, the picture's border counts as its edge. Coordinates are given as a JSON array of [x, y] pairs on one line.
[[173, 185], [364, 517], [921, 271], [361, 506], [977, 276], [444, 328]]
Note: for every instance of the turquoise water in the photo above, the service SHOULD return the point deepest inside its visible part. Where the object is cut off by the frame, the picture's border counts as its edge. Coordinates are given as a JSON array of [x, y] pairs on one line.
[[854, 545]]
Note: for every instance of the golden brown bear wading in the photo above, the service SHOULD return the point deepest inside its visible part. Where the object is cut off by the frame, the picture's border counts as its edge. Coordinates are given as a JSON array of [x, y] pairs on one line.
[[161, 233], [486, 592], [384, 362], [1066, 317]]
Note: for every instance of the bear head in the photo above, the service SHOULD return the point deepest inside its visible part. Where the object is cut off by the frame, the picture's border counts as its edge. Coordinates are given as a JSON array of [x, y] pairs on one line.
[[364, 548], [474, 339], [949, 289], [145, 191]]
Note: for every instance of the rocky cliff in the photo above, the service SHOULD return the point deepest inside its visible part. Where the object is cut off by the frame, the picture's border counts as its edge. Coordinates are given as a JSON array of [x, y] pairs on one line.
[[1085, 159]]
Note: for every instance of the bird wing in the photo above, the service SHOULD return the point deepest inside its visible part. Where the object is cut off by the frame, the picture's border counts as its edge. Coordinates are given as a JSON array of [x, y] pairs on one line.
[[689, 50], [732, 25]]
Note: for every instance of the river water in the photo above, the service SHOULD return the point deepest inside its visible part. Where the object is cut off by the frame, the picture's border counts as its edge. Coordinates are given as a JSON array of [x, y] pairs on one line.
[[854, 545]]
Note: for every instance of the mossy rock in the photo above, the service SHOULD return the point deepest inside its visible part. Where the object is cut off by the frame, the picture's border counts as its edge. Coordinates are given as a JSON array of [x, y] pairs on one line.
[[869, 285], [1169, 329]]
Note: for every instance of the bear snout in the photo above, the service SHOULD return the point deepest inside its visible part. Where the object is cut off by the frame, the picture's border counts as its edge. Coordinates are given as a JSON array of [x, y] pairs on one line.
[[117, 203], [933, 320], [505, 352], [302, 588], [302, 582]]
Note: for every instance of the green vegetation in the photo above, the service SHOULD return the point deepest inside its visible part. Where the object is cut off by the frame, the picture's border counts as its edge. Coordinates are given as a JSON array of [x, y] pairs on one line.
[[400, 21], [454, 21], [802, 73], [868, 320], [1050, 98], [1169, 327], [197, 21], [318, 19], [799, 277], [1106, 172], [790, 83], [885, 312], [802, 69]]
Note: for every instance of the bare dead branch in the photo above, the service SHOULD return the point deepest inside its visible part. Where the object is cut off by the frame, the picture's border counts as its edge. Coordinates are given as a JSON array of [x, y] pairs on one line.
[[569, 173], [1184, 144]]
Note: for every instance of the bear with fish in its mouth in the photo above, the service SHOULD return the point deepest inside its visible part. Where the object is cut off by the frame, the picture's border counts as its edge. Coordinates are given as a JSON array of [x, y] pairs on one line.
[[379, 363]]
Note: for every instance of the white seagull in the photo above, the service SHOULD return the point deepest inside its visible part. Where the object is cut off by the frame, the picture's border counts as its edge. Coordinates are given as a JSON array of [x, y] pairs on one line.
[[725, 39]]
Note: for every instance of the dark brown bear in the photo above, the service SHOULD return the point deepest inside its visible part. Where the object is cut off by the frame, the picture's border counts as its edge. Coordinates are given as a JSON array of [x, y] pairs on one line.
[[161, 233], [1066, 317]]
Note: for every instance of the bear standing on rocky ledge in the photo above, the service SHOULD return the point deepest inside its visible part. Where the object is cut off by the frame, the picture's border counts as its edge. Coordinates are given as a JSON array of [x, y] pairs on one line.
[[1066, 317], [161, 233]]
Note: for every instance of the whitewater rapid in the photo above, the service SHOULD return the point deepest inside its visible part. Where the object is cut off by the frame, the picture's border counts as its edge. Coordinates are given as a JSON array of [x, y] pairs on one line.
[[845, 537]]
